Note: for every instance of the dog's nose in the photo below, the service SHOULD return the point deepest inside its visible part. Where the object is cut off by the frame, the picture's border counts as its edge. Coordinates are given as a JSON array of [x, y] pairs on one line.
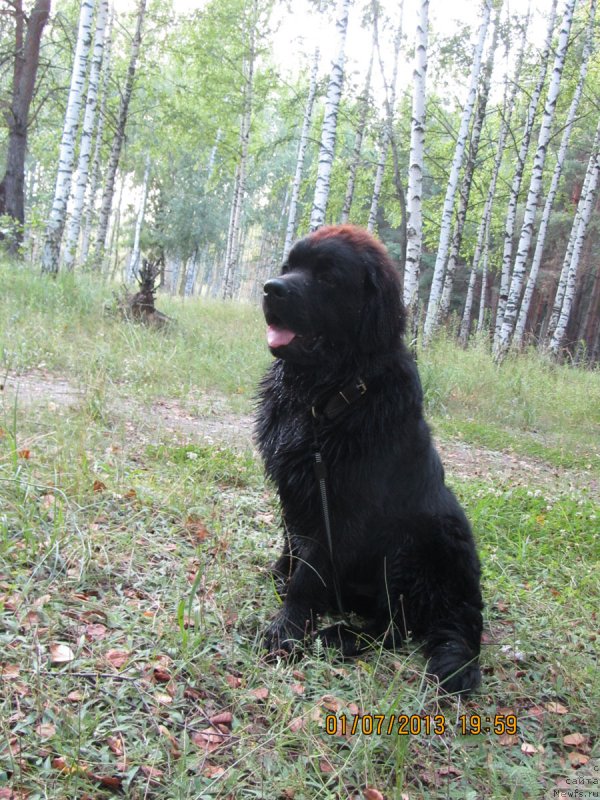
[[276, 287]]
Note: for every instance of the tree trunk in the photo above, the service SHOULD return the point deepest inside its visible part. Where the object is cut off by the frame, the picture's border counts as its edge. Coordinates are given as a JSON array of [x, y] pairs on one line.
[[378, 182], [482, 296], [360, 132], [87, 131], [461, 142], [467, 180], [28, 34], [539, 245], [117, 145], [482, 241], [535, 187], [511, 214], [233, 249], [66, 155], [328, 133], [90, 203], [414, 232], [134, 261], [290, 232], [581, 222]]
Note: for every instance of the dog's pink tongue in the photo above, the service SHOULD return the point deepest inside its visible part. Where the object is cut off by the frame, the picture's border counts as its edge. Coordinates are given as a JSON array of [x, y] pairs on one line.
[[278, 337]]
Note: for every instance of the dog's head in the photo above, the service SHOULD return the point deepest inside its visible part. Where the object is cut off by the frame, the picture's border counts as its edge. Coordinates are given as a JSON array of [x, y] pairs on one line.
[[338, 294]]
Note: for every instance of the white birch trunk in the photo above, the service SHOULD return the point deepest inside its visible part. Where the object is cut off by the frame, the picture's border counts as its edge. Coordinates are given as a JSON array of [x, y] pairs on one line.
[[562, 281], [328, 133], [66, 157], [134, 261], [582, 219], [535, 186], [360, 132], [115, 154], [290, 231], [87, 132], [414, 229], [467, 180], [511, 214], [539, 245], [482, 296], [484, 225], [378, 182], [461, 142], [92, 189], [234, 244]]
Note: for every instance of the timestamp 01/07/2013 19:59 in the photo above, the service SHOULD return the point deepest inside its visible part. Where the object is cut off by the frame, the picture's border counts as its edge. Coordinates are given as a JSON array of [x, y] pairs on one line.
[[417, 725]]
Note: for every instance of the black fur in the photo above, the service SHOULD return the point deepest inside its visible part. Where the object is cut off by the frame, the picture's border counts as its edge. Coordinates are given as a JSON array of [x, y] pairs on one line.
[[403, 554]]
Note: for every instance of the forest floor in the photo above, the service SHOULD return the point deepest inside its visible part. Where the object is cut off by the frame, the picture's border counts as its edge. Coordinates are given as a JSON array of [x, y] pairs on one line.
[[136, 534]]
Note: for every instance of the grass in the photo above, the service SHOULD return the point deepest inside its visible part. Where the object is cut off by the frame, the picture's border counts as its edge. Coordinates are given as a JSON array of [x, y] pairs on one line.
[[134, 579]]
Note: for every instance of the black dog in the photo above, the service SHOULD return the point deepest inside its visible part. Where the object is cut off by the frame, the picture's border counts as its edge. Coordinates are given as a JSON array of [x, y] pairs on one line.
[[370, 526]]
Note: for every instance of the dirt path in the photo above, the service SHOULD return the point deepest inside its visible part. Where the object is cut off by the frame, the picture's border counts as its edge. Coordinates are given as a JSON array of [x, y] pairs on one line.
[[215, 423]]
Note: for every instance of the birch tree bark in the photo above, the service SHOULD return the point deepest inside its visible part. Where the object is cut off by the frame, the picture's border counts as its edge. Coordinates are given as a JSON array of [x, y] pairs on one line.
[[562, 281], [85, 146], [290, 231], [482, 240], [414, 228], [360, 132], [28, 35], [539, 245], [117, 145], [467, 180], [66, 156], [461, 142], [515, 189], [134, 261], [92, 189], [387, 135], [328, 132], [535, 186], [233, 239], [581, 222]]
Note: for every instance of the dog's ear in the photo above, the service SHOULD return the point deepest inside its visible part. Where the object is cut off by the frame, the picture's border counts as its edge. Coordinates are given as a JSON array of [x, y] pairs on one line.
[[382, 315]]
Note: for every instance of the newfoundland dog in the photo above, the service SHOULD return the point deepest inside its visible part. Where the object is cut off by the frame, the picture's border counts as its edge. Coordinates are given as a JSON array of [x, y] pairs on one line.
[[370, 526]]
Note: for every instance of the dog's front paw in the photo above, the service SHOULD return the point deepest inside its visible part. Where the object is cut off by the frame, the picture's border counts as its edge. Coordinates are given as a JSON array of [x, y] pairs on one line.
[[284, 636]]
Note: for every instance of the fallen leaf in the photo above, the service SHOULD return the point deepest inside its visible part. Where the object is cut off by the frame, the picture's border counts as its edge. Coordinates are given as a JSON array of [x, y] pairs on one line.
[[26, 454], [574, 739], [163, 698], [261, 694], [213, 771], [297, 724], [209, 739], [223, 718], [161, 675], [298, 688], [130, 494], [578, 759], [529, 749], [98, 486], [556, 708], [9, 671], [443, 771], [196, 528], [95, 631], [508, 739], [152, 773], [325, 766], [331, 703], [75, 696], [233, 681], [61, 653], [116, 744], [110, 781], [117, 657], [372, 794], [45, 730]]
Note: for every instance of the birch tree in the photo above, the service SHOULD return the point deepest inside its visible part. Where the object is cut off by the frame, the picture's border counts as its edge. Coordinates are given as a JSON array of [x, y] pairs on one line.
[[515, 189], [134, 260], [66, 156], [329, 129], [414, 228], [364, 104], [118, 139], [564, 273], [233, 238], [585, 208], [290, 231], [87, 132], [461, 142], [482, 240], [535, 186], [467, 179], [539, 245], [28, 36], [94, 178]]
